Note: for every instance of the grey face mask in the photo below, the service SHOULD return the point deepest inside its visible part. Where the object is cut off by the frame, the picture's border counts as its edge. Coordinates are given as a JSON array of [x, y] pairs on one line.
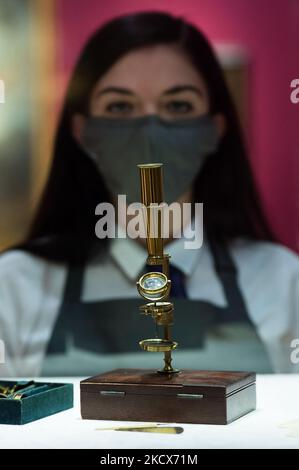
[[117, 146]]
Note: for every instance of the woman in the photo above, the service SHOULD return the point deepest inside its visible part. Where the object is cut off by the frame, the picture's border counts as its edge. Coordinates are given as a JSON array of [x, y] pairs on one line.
[[147, 87]]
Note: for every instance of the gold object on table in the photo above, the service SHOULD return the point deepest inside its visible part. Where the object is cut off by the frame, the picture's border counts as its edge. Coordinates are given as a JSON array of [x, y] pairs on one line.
[[155, 286], [18, 390], [154, 429]]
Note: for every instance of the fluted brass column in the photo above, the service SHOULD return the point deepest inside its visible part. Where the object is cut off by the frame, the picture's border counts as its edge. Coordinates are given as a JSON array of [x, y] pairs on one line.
[[151, 185]]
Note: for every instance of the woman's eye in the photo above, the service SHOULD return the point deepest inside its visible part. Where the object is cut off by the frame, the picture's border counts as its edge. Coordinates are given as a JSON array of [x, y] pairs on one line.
[[119, 107], [179, 107]]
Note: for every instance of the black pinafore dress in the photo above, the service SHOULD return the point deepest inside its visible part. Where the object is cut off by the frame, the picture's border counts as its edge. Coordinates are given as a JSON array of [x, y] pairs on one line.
[[93, 337]]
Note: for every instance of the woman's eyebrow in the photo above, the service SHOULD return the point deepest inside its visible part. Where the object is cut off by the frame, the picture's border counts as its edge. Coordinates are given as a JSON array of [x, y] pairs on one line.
[[114, 89], [179, 88]]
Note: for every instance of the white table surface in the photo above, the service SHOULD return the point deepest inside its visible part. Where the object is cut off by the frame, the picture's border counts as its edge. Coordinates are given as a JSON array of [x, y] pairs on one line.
[[275, 424]]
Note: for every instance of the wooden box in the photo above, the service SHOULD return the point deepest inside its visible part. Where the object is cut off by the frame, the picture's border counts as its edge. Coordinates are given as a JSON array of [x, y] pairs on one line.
[[202, 397]]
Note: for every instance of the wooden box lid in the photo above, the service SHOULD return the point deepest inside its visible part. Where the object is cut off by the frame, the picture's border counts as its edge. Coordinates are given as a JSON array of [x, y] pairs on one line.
[[148, 381]]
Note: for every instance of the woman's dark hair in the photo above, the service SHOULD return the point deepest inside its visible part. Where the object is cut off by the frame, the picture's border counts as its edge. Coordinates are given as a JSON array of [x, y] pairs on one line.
[[63, 228]]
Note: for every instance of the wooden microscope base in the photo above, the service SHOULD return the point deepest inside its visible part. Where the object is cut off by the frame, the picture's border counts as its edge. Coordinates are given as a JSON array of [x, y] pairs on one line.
[[201, 397]]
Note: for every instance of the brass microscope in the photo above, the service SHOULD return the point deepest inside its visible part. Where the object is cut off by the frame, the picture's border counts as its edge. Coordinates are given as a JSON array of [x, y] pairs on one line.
[[155, 286], [191, 396]]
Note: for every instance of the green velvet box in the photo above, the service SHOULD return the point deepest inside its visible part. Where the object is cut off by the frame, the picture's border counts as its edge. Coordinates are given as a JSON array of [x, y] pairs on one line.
[[51, 399]]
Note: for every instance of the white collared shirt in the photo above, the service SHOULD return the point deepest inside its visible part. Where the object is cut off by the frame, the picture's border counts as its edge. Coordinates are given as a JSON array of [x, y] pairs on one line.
[[31, 292]]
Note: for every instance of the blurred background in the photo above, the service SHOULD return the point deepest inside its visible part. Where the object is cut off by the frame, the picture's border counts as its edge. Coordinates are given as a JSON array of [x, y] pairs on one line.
[[257, 42]]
